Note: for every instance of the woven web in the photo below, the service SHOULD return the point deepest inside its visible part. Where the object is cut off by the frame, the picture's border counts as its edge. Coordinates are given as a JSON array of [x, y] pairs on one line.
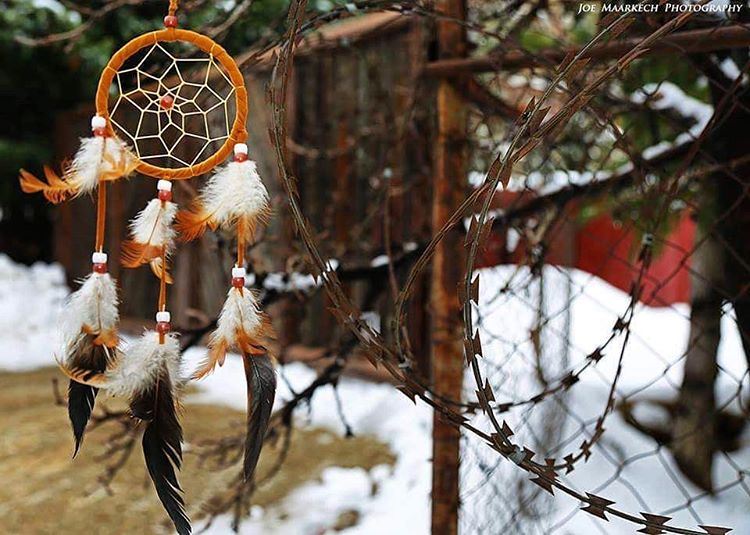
[[199, 118]]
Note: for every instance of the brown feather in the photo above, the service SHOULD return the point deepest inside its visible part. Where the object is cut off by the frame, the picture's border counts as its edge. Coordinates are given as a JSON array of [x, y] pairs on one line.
[[85, 377], [86, 366], [193, 223], [249, 344], [89, 360], [87, 354], [109, 337], [136, 254]]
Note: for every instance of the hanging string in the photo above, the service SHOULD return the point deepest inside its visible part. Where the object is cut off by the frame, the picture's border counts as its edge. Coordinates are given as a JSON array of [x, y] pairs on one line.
[[162, 305], [173, 5], [163, 281], [240, 243]]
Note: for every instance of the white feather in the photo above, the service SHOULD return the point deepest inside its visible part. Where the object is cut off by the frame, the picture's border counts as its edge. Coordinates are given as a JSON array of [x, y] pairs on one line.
[[118, 155], [94, 304], [153, 224], [240, 310], [234, 191], [141, 362], [96, 156]]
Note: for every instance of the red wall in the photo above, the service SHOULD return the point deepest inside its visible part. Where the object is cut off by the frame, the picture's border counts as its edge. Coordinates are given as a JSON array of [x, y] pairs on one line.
[[609, 251]]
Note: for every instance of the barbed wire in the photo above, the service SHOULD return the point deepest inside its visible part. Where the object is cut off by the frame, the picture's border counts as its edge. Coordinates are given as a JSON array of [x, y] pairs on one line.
[[546, 475]]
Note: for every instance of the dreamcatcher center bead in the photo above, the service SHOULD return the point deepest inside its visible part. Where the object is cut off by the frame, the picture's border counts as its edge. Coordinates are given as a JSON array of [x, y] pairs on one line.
[[166, 102]]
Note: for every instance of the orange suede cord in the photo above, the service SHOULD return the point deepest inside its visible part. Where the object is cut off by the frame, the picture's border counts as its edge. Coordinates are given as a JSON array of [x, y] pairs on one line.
[[101, 215]]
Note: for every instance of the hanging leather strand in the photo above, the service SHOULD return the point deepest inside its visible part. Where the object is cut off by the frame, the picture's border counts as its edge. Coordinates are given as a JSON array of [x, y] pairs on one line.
[[101, 215]]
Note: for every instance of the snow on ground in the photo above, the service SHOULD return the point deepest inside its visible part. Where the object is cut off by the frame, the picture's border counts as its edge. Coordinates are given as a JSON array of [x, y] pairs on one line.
[[401, 503], [31, 300], [626, 466]]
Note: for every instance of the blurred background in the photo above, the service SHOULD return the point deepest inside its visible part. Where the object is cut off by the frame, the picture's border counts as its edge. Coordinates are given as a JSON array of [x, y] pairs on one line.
[[591, 166]]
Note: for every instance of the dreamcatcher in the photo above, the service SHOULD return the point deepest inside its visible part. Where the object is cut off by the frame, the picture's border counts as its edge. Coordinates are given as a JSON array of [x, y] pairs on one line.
[[171, 104]]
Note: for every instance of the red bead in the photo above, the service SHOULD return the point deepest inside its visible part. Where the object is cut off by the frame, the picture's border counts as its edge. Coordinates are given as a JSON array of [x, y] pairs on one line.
[[240, 157], [165, 196], [163, 327], [238, 282], [101, 132], [170, 21], [99, 268], [166, 102]]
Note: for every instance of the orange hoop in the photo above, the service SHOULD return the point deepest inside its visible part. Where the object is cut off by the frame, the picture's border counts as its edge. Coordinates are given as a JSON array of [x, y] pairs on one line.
[[237, 134]]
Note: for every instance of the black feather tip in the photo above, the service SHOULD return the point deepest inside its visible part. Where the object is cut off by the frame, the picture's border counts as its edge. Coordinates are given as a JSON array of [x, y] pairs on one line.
[[162, 447], [80, 404], [81, 398], [261, 390]]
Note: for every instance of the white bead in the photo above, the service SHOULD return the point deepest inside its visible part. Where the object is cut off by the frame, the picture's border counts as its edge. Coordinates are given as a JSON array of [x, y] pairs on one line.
[[164, 185], [98, 258], [97, 121], [238, 272], [163, 317], [240, 148]]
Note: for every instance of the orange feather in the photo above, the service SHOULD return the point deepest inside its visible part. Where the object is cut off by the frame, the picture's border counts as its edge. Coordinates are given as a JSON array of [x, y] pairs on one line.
[[193, 223], [55, 190], [216, 355], [157, 269], [117, 169], [136, 254]]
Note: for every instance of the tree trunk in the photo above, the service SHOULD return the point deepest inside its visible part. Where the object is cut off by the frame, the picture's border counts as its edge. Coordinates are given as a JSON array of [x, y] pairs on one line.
[[449, 187], [693, 440], [721, 272]]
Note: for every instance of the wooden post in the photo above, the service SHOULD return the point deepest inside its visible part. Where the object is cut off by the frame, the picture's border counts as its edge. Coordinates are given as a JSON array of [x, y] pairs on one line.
[[448, 265]]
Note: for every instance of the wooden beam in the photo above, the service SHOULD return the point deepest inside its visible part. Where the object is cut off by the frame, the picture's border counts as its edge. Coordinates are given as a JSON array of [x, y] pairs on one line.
[[690, 41], [449, 188]]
